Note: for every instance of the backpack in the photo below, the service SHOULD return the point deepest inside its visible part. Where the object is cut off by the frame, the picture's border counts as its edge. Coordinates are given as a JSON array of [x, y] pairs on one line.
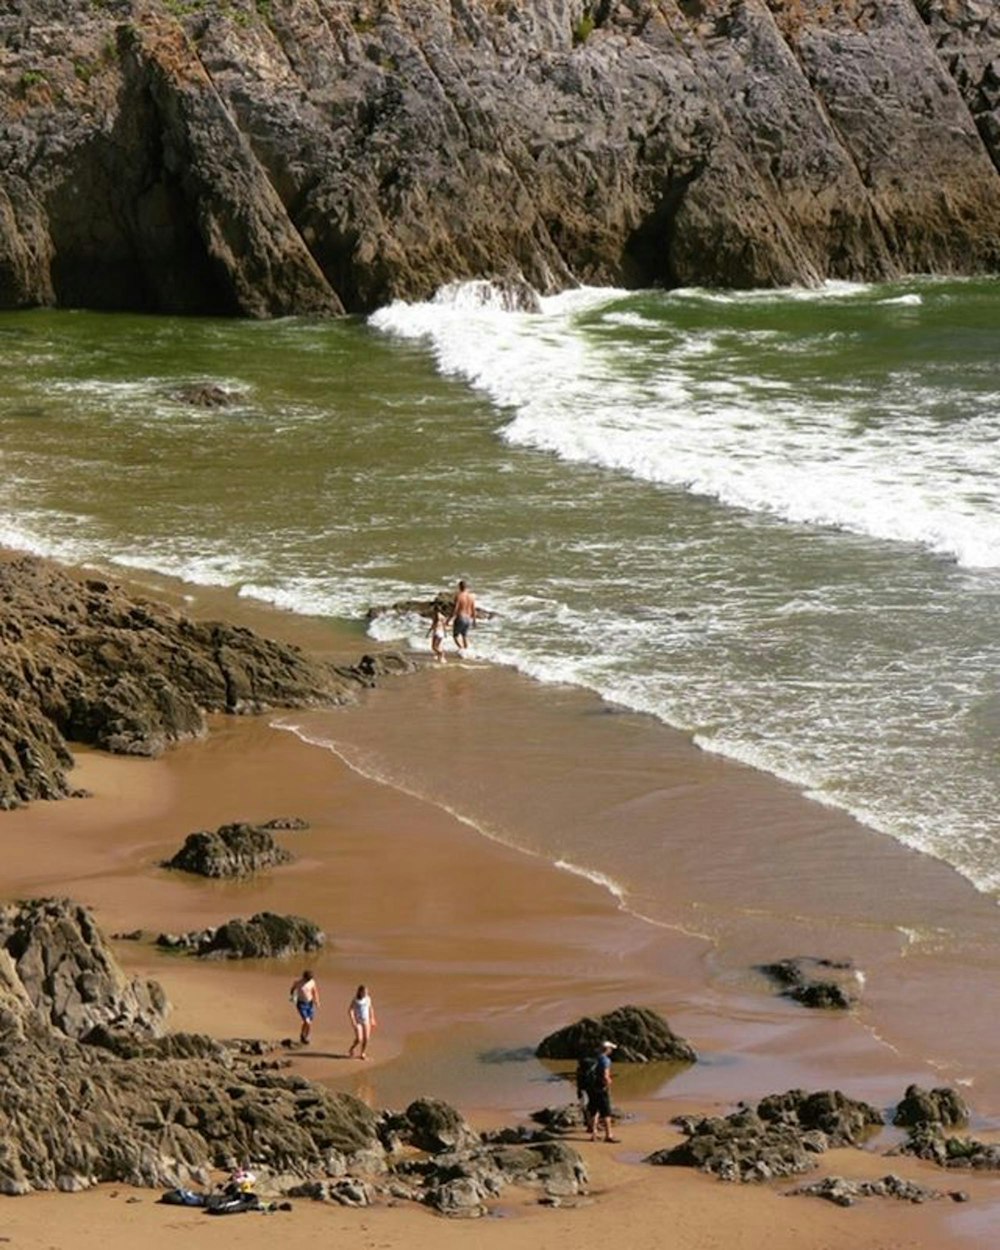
[[588, 1075]]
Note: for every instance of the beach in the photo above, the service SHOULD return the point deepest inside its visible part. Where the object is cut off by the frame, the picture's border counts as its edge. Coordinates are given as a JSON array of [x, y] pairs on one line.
[[474, 949]]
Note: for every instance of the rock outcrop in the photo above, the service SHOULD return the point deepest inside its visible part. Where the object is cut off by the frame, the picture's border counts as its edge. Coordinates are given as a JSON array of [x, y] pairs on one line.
[[309, 156], [82, 661], [237, 850], [640, 1035], [263, 936], [780, 1137], [125, 1105], [845, 1193], [944, 1107], [66, 971], [824, 983]]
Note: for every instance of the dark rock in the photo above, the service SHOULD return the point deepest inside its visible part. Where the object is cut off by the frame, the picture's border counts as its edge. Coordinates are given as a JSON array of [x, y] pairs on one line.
[[445, 602], [936, 1106], [778, 1138], [845, 1193], [641, 1036], [565, 1119], [740, 1147], [264, 936], [83, 661], [823, 983], [237, 850], [345, 1191], [433, 1125], [930, 1142], [460, 1183], [283, 824], [843, 1121], [204, 396]]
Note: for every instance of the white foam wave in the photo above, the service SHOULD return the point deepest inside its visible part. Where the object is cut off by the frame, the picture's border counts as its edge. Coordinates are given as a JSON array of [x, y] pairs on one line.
[[878, 463], [615, 888]]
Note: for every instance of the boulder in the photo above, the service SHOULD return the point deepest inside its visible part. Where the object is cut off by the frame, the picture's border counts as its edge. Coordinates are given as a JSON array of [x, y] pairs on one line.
[[564, 1119], [640, 1035], [824, 983], [432, 1125], [461, 1183], [237, 850], [944, 1107], [265, 935]]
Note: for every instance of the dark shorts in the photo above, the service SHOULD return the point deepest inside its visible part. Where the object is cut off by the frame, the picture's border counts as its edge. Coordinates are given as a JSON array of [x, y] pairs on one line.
[[461, 626], [306, 1010], [599, 1103]]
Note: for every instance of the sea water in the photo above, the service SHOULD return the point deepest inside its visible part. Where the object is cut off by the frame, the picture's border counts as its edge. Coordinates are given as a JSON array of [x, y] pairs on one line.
[[770, 519]]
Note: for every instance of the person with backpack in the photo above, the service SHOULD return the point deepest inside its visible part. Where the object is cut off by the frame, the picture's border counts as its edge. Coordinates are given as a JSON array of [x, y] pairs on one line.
[[593, 1081]]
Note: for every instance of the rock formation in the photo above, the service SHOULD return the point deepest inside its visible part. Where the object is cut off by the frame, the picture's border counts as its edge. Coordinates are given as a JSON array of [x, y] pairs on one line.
[[781, 1137], [125, 1105], [310, 156], [845, 1193], [944, 1107], [69, 975], [824, 983], [82, 661], [237, 850], [264, 936], [640, 1035]]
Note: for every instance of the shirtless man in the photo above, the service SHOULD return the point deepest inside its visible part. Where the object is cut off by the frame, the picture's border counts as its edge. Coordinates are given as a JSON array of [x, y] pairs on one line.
[[305, 995], [463, 616]]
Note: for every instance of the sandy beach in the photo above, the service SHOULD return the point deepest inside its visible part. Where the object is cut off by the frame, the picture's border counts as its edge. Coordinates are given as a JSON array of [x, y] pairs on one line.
[[474, 949]]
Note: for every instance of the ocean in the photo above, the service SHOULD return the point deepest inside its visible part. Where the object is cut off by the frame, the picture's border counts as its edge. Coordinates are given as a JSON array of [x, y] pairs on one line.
[[770, 520]]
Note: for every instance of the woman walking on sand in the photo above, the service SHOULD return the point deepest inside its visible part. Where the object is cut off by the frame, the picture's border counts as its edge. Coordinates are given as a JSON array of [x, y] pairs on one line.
[[362, 1014]]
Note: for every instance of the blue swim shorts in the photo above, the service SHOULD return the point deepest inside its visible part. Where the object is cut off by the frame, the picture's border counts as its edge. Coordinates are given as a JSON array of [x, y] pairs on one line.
[[306, 1010]]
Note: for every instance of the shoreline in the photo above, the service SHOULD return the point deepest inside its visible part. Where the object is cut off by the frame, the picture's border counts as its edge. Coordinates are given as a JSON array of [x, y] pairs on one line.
[[474, 948]]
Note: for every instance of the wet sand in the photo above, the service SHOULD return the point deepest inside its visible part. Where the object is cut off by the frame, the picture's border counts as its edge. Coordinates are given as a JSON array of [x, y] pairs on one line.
[[475, 949]]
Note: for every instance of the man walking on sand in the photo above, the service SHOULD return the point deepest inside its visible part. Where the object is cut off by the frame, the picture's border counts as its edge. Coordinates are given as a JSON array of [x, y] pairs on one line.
[[463, 616], [305, 995]]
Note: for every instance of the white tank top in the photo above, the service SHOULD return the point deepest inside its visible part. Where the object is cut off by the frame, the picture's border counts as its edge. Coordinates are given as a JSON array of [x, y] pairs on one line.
[[363, 1008]]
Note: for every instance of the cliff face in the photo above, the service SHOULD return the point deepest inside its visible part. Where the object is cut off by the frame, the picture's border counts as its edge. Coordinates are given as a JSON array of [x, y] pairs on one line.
[[262, 157]]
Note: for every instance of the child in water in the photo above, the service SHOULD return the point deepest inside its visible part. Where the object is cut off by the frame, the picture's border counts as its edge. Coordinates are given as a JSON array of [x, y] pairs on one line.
[[437, 631]]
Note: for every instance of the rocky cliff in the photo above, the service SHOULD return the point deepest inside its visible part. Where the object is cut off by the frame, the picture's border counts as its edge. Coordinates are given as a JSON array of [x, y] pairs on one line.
[[262, 157]]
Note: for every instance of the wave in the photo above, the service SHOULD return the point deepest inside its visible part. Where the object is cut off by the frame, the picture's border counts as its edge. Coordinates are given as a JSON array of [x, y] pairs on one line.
[[640, 386]]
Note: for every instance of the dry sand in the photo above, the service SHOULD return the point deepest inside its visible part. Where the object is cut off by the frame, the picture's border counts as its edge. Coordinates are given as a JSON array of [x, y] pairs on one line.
[[473, 951]]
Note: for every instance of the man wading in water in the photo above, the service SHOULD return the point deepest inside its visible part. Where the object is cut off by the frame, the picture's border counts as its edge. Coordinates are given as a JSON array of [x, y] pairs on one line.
[[593, 1081], [463, 616]]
